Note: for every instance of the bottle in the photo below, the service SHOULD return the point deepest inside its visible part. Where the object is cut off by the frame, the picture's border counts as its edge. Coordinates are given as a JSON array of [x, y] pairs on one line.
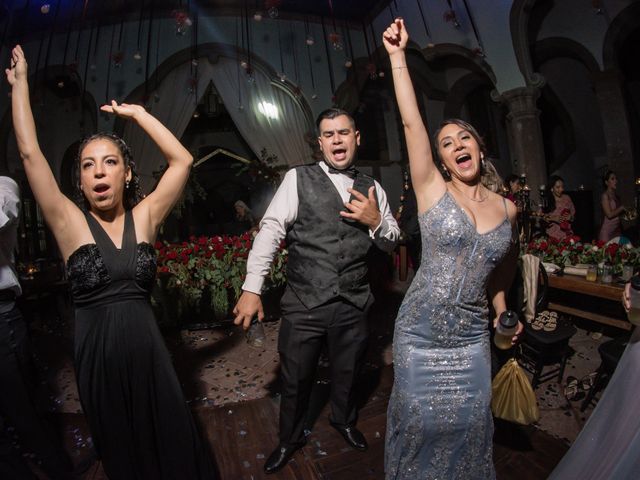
[[634, 295], [507, 326]]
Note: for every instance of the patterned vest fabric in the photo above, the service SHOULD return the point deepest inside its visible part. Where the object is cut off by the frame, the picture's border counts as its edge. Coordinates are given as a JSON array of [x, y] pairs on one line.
[[327, 254]]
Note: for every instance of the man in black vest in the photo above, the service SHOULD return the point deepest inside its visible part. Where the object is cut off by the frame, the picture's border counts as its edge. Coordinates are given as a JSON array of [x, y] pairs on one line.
[[330, 215]]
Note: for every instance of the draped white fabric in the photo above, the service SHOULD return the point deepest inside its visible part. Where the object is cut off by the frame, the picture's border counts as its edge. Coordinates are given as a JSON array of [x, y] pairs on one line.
[[173, 103], [266, 116], [280, 127]]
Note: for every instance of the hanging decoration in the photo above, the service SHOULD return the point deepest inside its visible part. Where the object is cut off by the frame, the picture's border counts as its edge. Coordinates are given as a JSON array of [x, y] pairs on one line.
[[117, 58], [314, 95], [245, 43], [375, 51], [450, 16], [296, 70], [156, 94], [598, 6], [309, 40], [332, 81], [239, 67], [271, 6], [424, 20], [147, 64], [118, 55], [335, 39], [182, 21], [192, 83], [92, 65], [348, 63], [112, 55], [371, 69], [45, 8], [193, 64], [403, 196], [137, 56], [281, 75], [479, 50], [73, 65], [86, 65]]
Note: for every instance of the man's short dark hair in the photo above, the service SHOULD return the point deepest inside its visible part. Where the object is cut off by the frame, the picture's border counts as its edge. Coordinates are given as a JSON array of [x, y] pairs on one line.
[[331, 113]]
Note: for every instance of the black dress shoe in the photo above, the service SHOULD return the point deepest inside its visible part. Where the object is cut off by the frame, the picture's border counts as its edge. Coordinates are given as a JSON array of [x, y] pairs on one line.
[[352, 436], [279, 458]]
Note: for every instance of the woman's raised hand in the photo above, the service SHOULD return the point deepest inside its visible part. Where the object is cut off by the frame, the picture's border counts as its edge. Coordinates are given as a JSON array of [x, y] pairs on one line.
[[17, 66], [395, 37], [124, 110]]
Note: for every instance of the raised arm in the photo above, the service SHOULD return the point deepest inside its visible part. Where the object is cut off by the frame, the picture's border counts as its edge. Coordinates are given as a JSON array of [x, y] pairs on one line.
[[424, 173], [157, 205], [54, 205]]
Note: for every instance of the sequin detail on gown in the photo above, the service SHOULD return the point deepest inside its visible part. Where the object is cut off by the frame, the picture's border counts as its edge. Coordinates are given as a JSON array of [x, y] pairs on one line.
[[140, 423], [439, 423]]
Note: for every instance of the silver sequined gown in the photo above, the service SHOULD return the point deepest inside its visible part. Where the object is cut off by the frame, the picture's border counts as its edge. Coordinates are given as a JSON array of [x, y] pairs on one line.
[[439, 423]]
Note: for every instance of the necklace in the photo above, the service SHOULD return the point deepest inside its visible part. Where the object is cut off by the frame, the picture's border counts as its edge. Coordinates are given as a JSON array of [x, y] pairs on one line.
[[480, 200]]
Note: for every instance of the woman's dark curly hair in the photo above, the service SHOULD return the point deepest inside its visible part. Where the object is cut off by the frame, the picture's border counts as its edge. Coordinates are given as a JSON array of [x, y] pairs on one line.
[[132, 193]]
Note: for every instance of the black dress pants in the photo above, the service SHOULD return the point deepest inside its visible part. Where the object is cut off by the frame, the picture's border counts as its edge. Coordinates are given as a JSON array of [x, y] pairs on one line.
[[302, 335], [18, 410]]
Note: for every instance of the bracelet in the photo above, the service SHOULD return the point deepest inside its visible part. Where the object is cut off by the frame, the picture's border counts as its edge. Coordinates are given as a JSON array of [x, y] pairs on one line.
[[399, 68]]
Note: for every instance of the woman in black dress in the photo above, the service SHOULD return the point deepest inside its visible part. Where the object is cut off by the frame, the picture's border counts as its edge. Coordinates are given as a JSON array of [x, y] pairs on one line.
[[141, 425]]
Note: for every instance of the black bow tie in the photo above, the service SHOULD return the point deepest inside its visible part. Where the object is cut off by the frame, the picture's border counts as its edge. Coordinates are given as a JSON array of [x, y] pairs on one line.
[[350, 171]]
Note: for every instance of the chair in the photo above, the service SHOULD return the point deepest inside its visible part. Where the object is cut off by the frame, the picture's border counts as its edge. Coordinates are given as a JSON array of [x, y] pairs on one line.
[[539, 348], [610, 353]]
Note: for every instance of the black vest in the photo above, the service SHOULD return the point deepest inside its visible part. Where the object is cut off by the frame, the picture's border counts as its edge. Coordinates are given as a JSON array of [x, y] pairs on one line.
[[327, 254]]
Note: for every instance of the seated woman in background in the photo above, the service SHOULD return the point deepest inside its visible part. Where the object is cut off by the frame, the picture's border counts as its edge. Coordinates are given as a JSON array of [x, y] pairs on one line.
[[559, 212], [245, 217], [612, 208]]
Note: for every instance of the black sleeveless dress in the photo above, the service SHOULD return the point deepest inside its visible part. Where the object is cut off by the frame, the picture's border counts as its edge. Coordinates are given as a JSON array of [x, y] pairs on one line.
[[141, 425]]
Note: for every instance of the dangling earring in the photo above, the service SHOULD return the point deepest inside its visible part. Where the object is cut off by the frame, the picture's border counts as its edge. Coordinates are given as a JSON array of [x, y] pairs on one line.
[[483, 163], [126, 184]]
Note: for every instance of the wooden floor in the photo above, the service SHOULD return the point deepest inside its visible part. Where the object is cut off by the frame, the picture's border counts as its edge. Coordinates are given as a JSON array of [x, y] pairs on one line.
[[243, 435]]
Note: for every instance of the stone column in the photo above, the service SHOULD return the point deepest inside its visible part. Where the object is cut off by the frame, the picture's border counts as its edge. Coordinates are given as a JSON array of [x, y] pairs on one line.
[[617, 131], [525, 135]]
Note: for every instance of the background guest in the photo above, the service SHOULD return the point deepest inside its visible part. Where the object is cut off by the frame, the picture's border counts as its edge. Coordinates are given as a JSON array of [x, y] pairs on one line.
[[612, 208], [512, 186], [17, 379], [560, 211], [245, 217]]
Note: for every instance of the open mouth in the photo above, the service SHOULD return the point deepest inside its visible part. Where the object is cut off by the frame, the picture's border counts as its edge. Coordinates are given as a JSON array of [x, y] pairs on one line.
[[101, 188], [339, 153], [464, 160]]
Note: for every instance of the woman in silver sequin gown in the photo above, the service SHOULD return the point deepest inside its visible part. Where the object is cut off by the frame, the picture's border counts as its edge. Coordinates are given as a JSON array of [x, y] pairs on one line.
[[439, 423]]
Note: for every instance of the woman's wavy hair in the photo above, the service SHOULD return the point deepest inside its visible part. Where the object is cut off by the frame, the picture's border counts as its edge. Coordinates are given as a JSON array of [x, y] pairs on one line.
[[132, 193], [489, 176], [551, 200]]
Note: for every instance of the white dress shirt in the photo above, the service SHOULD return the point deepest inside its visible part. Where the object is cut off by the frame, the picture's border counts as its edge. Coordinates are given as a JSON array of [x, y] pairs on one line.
[[283, 211], [9, 220]]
